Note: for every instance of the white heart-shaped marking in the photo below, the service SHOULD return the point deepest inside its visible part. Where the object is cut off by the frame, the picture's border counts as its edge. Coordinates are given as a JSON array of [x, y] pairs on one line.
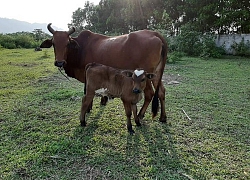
[[139, 72]]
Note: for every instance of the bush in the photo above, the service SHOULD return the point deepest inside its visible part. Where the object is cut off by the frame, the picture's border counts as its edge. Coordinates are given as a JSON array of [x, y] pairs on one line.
[[194, 43], [24, 41], [20, 40], [175, 56], [209, 48], [9, 45], [242, 48], [188, 41]]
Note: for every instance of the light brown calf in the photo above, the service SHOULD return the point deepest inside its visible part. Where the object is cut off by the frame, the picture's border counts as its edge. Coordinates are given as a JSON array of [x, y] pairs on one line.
[[106, 81]]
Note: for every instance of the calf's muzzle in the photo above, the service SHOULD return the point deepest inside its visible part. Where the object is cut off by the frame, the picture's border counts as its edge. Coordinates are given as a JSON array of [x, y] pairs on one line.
[[136, 91]]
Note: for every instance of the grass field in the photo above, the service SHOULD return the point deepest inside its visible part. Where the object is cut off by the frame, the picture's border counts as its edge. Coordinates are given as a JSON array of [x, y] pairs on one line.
[[207, 135]]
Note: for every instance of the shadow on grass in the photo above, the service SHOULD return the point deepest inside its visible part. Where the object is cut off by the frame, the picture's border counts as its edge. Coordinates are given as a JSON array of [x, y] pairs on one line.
[[149, 153]]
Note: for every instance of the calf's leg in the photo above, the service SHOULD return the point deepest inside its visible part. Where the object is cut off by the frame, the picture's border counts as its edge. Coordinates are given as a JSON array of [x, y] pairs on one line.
[[134, 109], [86, 102], [128, 111]]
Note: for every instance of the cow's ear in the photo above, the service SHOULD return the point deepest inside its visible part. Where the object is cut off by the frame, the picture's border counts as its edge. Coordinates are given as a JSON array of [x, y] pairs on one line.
[[127, 73], [73, 44], [46, 44], [151, 76]]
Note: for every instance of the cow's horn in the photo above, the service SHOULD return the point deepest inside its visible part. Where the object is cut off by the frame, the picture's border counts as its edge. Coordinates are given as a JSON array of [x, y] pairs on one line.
[[71, 31], [50, 28]]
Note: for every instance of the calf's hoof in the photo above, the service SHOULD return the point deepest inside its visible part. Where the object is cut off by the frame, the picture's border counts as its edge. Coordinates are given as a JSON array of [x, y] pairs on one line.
[[88, 110]]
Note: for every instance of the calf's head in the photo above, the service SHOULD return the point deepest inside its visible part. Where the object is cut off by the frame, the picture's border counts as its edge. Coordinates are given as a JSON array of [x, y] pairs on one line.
[[61, 42], [139, 77]]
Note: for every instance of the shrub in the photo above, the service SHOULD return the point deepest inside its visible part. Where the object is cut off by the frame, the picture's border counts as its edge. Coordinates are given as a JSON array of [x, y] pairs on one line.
[[242, 48], [20, 40], [194, 43], [188, 41], [209, 48], [175, 56]]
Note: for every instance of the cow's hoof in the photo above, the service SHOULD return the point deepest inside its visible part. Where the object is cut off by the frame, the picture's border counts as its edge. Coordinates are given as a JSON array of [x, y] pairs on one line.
[[163, 119], [138, 123], [131, 132], [83, 124]]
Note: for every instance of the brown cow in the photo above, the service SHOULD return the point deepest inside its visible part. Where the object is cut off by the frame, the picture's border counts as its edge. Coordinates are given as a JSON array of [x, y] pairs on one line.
[[114, 83], [141, 49]]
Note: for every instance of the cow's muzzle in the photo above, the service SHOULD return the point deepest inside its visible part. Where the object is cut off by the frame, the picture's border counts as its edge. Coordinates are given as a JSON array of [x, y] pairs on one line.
[[59, 64], [136, 91]]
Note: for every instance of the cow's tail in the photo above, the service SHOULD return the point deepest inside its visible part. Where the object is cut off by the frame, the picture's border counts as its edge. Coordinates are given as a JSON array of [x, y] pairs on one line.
[[155, 101]]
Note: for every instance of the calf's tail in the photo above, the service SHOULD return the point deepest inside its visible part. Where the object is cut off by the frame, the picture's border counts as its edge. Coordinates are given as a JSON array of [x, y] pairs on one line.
[[155, 101]]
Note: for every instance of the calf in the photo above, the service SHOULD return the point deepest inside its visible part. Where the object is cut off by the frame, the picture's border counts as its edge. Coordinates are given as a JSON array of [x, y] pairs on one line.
[[106, 81]]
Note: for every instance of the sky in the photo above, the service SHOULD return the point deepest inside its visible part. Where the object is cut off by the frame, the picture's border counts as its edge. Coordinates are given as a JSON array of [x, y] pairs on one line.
[[57, 12]]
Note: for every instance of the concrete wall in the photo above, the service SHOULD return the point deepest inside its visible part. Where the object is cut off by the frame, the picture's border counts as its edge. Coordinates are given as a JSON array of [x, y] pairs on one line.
[[228, 40]]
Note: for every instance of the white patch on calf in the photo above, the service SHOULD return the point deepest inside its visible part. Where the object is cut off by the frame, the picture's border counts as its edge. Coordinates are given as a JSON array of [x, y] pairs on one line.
[[138, 72], [101, 92]]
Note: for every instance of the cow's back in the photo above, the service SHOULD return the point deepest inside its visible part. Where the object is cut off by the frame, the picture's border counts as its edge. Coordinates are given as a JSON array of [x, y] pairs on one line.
[[141, 49]]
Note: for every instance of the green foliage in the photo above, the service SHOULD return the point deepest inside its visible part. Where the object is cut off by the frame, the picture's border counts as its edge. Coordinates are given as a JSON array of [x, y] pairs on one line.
[[209, 48], [22, 39], [188, 41], [175, 56], [242, 48], [123, 16], [194, 43]]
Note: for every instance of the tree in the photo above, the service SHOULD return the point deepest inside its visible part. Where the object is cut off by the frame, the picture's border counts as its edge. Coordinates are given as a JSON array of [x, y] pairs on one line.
[[39, 34], [123, 16]]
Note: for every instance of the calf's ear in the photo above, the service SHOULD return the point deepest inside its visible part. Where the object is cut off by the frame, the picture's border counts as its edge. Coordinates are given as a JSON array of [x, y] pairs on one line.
[[46, 44], [127, 73], [151, 76]]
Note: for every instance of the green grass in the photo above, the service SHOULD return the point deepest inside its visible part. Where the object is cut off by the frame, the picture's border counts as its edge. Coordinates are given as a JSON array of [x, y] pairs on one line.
[[41, 137]]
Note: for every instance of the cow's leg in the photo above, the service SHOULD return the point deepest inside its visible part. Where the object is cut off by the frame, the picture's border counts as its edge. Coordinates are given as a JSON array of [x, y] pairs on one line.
[[161, 96], [86, 101], [134, 109], [128, 112], [148, 94], [163, 117]]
